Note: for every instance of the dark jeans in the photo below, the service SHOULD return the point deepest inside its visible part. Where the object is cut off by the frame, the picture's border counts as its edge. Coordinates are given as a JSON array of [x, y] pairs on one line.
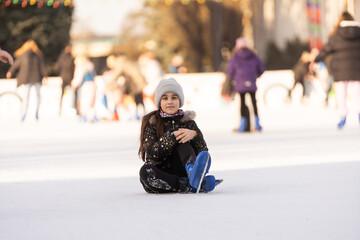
[[157, 179]]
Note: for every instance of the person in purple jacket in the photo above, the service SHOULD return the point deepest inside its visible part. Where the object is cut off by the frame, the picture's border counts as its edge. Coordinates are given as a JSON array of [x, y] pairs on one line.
[[244, 68]]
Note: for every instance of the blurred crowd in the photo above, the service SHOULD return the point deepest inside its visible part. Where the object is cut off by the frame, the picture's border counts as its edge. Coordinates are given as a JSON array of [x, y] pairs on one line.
[[129, 85], [124, 83]]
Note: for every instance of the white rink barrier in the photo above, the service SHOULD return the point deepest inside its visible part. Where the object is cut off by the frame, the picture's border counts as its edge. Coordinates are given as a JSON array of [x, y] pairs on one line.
[[202, 90]]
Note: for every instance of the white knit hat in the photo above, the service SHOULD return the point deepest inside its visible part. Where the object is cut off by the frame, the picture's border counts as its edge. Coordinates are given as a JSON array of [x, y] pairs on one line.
[[168, 85], [241, 43]]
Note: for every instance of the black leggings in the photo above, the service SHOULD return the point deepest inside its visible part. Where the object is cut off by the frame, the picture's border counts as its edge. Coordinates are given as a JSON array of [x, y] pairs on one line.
[[244, 110], [156, 179]]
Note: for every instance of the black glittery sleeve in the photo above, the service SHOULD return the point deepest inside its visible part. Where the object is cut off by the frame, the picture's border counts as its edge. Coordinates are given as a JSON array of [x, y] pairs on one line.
[[158, 150]]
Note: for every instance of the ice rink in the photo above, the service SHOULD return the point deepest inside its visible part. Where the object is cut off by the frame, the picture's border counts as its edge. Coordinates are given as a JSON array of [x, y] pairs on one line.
[[298, 179]]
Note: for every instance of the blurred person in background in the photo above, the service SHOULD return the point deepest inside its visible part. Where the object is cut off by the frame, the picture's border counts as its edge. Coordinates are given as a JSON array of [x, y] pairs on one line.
[[29, 69], [65, 66], [153, 73], [84, 83], [243, 69], [344, 47], [319, 77], [301, 70], [6, 57], [113, 88], [134, 80], [176, 65], [227, 91]]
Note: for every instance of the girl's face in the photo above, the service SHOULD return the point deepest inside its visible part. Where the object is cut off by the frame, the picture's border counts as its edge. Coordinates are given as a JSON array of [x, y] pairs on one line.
[[170, 103]]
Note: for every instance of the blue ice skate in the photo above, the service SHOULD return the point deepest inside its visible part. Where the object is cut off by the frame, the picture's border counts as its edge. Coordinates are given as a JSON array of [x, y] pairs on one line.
[[243, 123], [208, 184], [342, 122], [258, 127], [196, 171]]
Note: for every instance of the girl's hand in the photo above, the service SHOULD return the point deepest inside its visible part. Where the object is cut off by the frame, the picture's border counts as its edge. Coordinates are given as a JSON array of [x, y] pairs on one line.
[[184, 135]]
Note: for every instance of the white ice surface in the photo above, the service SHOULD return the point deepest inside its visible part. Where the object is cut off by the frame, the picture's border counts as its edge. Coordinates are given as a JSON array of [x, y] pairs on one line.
[[298, 179]]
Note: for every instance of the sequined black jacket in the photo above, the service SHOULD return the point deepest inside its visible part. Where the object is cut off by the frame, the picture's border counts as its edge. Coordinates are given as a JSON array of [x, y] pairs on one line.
[[158, 151]]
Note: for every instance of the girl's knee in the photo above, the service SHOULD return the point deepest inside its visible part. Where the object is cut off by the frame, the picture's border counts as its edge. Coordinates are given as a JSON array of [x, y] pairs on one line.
[[145, 170]]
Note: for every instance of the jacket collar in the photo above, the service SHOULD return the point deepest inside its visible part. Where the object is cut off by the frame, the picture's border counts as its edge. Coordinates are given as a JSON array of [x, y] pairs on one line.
[[188, 116]]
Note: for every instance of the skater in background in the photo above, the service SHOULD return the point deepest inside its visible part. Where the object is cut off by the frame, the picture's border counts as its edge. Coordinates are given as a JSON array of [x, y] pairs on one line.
[[134, 80], [310, 80], [227, 91], [65, 65], [153, 73], [170, 145], [29, 69], [84, 83], [243, 69], [176, 65], [319, 77], [113, 88], [344, 47], [6, 57], [301, 70]]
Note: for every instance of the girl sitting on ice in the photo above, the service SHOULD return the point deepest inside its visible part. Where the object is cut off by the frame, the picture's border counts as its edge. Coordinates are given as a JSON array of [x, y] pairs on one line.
[[172, 146]]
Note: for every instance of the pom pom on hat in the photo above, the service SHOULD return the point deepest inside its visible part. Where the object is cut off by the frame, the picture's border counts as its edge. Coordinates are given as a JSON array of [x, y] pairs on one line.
[[168, 85], [241, 43]]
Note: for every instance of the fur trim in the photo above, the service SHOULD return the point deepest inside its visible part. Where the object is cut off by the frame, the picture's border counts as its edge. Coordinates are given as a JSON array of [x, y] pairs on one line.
[[188, 116], [349, 24]]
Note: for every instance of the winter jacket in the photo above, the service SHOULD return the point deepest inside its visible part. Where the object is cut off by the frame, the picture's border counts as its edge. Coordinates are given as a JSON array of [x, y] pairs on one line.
[[66, 67], [244, 68], [344, 47], [158, 151], [28, 68]]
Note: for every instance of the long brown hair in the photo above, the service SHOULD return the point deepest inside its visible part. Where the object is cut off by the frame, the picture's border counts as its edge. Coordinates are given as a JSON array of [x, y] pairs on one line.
[[159, 125], [345, 16]]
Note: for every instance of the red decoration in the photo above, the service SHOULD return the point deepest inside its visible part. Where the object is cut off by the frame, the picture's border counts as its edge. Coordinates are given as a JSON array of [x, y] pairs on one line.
[[56, 4]]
